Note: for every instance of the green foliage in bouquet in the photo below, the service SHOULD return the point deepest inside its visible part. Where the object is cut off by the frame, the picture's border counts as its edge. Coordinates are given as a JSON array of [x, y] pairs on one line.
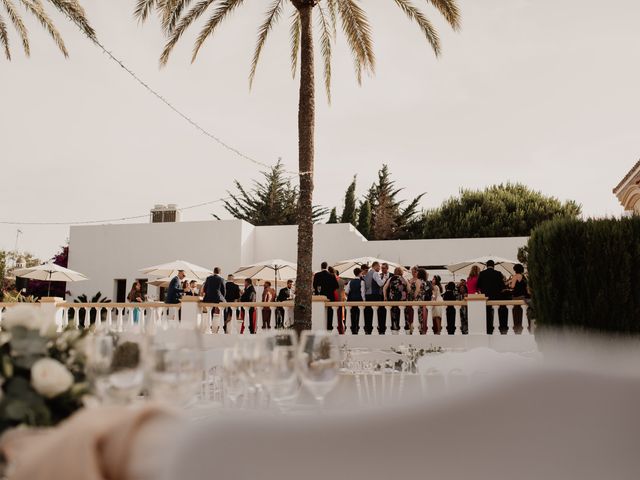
[[42, 372]]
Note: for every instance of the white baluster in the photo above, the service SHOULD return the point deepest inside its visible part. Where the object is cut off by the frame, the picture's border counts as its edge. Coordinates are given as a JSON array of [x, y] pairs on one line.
[[375, 330], [233, 323], [415, 325], [347, 320], [429, 318], [142, 318], [247, 321], [387, 322], [259, 320], [335, 320], [511, 325], [525, 320], [273, 317], [361, 321], [496, 320], [76, 316]]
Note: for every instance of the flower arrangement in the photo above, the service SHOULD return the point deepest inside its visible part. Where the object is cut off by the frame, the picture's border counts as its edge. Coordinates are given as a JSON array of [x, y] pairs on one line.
[[412, 355], [42, 371]]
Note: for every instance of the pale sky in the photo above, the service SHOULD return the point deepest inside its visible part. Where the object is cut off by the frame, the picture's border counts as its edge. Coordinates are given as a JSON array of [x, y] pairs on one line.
[[543, 92]]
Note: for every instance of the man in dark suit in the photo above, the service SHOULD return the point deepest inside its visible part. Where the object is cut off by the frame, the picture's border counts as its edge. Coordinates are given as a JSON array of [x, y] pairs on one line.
[[285, 294], [174, 292], [326, 284], [491, 284], [213, 289], [232, 294]]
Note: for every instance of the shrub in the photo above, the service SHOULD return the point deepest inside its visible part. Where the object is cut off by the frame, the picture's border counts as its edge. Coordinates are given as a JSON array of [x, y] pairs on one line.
[[585, 275]]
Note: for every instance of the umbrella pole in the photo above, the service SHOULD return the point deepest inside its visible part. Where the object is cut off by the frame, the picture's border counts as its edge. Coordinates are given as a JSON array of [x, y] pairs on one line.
[[49, 289]]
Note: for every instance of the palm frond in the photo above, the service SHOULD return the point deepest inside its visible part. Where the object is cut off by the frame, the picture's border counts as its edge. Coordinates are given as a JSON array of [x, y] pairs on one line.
[[423, 22], [331, 6], [271, 18], [325, 48], [16, 19], [192, 15], [358, 32], [294, 34], [36, 8], [449, 10], [144, 7], [73, 10], [4, 38], [224, 8], [172, 10]]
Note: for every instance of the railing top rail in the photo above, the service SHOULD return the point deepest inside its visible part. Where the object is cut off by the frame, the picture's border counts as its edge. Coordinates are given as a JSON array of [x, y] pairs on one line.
[[11, 304], [450, 303], [505, 303], [246, 304], [119, 305]]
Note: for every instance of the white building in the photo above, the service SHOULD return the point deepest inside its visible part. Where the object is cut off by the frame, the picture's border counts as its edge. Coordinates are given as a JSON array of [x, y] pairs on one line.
[[628, 190], [112, 255]]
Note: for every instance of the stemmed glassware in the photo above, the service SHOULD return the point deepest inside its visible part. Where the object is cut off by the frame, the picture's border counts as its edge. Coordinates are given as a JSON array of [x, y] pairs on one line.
[[233, 380], [176, 366], [318, 361], [115, 366]]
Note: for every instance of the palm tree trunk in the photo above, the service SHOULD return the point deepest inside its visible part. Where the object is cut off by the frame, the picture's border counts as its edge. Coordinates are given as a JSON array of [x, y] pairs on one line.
[[306, 126]]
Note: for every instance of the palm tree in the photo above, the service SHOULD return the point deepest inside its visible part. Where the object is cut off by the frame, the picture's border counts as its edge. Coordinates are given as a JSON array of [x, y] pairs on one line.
[[70, 8], [177, 17]]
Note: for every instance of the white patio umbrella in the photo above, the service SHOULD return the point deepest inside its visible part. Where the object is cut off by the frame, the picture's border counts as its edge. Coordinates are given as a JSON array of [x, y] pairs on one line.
[[171, 270], [275, 268], [50, 272], [503, 265], [345, 267], [164, 281]]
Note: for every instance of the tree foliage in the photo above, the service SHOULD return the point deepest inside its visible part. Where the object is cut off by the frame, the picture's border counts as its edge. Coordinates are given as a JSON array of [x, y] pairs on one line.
[[585, 274], [69, 8], [389, 219], [272, 201], [364, 219], [333, 216], [504, 210], [350, 210]]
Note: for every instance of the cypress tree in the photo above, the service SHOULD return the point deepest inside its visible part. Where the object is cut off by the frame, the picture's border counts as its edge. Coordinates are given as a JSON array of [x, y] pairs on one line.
[[349, 212], [364, 219], [333, 216]]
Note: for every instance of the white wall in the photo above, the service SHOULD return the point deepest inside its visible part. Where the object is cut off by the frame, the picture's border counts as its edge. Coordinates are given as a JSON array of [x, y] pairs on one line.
[[108, 252]]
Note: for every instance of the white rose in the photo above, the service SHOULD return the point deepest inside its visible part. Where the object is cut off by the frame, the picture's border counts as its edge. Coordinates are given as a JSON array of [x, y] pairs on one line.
[[25, 315], [50, 378]]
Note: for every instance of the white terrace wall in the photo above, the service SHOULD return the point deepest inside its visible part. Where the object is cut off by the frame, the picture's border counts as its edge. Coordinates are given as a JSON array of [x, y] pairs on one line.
[[108, 252]]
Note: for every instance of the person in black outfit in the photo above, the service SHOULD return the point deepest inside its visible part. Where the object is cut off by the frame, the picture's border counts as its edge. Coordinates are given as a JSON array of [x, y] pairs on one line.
[[355, 291], [491, 284], [213, 289], [232, 294], [449, 296], [326, 284], [519, 291], [249, 296], [284, 295], [174, 292]]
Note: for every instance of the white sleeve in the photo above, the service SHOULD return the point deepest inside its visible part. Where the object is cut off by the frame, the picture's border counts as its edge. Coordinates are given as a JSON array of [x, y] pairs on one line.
[[363, 289]]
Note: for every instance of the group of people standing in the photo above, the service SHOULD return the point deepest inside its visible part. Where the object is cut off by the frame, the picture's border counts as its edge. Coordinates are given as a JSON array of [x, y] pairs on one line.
[[376, 283], [216, 290]]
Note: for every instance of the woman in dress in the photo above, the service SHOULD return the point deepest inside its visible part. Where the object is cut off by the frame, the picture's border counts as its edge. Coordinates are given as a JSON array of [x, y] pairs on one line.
[[136, 296], [426, 295], [472, 281], [436, 313], [519, 291], [268, 295], [415, 286], [395, 290]]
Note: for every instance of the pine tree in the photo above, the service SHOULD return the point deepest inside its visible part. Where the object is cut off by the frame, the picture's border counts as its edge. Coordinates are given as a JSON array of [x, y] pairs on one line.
[[333, 216], [364, 219], [273, 201], [389, 221], [349, 212]]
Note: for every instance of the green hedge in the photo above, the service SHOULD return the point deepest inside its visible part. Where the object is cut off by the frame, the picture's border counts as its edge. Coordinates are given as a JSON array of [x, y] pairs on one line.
[[586, 274]]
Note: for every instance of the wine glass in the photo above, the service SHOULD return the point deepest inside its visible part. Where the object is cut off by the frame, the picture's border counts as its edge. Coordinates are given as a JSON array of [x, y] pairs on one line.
[[115, 366], [281, 378], [318, 361], [232, 377], [176, 366]]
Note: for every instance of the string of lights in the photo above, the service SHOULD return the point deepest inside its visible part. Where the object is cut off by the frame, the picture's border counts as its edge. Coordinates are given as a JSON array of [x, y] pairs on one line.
[[109, 220], [176, 110]]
